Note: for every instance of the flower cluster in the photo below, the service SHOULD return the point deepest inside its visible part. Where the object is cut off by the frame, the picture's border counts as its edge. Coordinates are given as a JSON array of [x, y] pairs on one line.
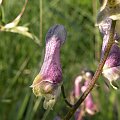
[[81, 84]]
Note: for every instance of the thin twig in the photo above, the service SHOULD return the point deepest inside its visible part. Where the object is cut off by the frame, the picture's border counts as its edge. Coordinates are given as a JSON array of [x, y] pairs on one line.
[[23, 9], [21, 13], [40, 21], [64, 96], [97, 73], [96, 33]]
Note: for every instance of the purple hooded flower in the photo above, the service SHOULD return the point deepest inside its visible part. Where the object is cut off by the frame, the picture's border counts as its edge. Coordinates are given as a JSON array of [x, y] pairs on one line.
[[48, 82], [111, 69]]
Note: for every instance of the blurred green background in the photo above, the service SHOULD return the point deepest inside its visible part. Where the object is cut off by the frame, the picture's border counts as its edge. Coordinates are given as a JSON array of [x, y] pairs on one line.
[[21, 58]]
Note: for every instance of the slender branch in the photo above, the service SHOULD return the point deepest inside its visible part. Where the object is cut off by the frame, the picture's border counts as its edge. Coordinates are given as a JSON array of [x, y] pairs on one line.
[[64, 96], [23, 9], [97, 73], [96, 32], [41, 21], [21, 13]]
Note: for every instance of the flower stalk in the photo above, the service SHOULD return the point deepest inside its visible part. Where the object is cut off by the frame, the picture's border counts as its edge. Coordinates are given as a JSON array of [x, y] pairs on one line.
[[97, 73]]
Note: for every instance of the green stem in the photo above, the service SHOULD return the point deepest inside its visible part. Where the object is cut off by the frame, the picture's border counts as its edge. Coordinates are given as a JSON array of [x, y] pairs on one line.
[[40, 21], [64, 96], [97, 73]]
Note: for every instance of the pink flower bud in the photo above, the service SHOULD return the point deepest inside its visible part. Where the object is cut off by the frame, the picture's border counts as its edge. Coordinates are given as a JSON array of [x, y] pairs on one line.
[[48, 81], [77, 86], [88, 105]]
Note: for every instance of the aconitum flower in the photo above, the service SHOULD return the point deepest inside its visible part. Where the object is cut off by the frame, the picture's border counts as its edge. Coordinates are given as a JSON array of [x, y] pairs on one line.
[[48, 82], [111, 69]]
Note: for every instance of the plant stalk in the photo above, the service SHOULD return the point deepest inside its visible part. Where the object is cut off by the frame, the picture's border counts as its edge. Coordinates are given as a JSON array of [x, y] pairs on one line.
[[97, 73]]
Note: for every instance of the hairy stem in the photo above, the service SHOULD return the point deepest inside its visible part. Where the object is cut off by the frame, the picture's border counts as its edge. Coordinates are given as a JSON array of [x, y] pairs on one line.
[[97, 73]]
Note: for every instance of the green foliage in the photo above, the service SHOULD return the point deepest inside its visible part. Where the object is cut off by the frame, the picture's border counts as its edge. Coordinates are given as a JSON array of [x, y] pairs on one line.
[[21, 58]]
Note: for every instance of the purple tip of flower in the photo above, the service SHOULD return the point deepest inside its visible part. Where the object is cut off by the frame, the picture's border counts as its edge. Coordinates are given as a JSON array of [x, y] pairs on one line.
[[58, 31]]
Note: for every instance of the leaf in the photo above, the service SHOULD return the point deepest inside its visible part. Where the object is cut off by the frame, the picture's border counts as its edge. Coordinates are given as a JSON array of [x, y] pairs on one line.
[[17, 19], [114, 85], [14, 28]]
